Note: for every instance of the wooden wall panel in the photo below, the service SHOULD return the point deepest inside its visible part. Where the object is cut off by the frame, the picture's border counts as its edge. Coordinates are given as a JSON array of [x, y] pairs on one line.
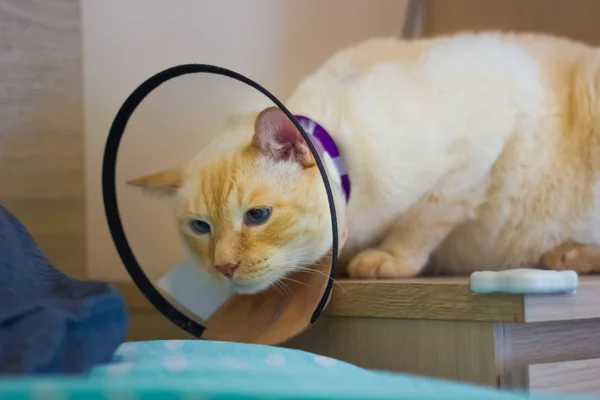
[[41, 168], [577, 19]]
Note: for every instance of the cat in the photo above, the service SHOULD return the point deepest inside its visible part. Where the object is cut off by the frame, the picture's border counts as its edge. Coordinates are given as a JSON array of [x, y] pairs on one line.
[[466, 152]]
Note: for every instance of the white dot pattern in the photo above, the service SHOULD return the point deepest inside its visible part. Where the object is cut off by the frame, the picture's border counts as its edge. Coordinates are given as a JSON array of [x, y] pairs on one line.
[[120, 368], [178, 363], [128, 348], [324, 361], [275, 360], [174, 344]]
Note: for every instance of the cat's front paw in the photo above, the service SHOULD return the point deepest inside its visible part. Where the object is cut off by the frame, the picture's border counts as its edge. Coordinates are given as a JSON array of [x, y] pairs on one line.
[[375, 263], [578, 257]]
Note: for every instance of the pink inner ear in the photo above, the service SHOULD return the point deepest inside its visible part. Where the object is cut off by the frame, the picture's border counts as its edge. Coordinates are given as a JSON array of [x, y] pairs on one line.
[[276, 136]]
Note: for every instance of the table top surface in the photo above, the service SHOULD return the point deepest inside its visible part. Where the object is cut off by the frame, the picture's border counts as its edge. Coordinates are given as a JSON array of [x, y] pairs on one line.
[[441, 299]]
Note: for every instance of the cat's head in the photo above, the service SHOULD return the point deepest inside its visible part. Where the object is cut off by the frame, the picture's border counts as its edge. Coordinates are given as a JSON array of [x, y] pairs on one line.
[[256, 211]]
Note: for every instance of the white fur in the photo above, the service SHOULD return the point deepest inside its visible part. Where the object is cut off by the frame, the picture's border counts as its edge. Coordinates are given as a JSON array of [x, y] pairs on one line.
[[472, 118]]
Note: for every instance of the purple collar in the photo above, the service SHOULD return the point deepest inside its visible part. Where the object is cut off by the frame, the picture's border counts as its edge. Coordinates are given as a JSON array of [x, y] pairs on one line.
[[328, 152]]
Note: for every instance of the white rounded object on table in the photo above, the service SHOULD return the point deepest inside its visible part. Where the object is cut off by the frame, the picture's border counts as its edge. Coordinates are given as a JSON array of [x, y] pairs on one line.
[[524, 281]]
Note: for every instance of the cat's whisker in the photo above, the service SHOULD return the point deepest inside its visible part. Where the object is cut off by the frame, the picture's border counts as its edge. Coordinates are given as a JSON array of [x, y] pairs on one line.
[[276, 287], [328, 277], [312, 271], [291, 292], [292, 249], [295, 281], [282, 268], [295, 242], [280, 289], [286, 289]]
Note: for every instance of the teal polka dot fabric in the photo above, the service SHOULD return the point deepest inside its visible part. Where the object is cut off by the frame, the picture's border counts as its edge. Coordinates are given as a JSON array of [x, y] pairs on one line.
[[207, 370]]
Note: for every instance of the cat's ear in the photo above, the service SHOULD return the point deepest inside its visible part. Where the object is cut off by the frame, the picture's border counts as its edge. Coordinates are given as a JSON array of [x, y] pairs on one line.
[[164, 183], [276, 137]]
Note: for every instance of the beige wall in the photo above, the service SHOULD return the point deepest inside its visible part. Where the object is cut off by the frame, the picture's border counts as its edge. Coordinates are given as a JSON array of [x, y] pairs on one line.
[[275, 42], [41, 176]]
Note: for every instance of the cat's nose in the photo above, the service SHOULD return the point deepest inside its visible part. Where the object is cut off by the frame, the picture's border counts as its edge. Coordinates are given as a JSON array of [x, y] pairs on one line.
[[227, 268]]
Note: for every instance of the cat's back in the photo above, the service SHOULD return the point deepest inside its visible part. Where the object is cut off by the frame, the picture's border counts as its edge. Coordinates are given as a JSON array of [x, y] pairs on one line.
[[460, 58], [387, 100]]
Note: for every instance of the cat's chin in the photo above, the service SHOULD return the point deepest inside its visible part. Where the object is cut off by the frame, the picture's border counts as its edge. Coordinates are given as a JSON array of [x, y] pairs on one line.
[[252, 287]]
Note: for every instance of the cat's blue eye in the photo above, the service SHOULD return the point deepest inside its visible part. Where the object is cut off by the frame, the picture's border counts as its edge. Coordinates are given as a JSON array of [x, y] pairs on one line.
[[257, 216], [199, 227]]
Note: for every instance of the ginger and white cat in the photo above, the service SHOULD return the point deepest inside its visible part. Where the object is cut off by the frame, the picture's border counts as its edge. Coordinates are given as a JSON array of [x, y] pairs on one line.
[[467, 152]]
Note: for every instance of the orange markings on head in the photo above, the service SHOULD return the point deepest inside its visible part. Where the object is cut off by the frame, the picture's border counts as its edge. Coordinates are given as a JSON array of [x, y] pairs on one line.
[[258, 174]]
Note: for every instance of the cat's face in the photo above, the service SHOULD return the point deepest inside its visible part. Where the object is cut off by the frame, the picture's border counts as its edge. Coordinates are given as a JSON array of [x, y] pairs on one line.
[[253, 214]]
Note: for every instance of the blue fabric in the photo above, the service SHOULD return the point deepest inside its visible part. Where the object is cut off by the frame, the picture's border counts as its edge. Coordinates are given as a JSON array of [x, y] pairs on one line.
[[50, 323], [194, 369]]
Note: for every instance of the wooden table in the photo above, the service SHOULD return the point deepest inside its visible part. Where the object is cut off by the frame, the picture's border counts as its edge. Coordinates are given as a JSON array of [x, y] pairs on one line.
[[437, 327]]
